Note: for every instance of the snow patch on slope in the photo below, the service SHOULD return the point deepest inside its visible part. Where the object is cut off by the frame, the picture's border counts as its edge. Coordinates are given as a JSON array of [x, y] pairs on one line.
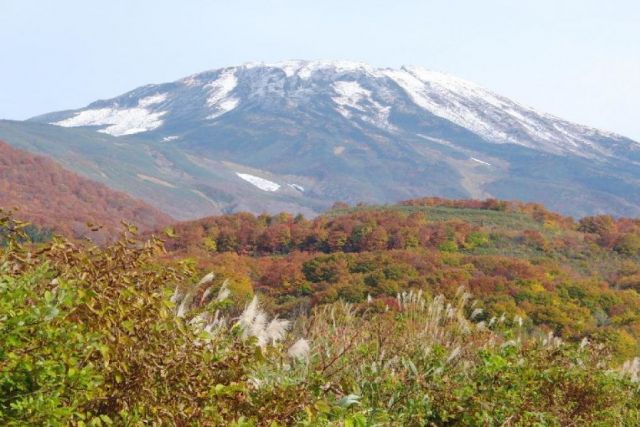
[[495, 118], [305, 69], [220, 99], [121, 121], [448, 97], [482, 162], [351, 96], [152, 100], [436, 140], [261, 183]]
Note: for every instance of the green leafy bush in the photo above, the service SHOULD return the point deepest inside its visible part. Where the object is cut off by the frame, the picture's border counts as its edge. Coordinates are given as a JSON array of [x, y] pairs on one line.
[[100, 336]]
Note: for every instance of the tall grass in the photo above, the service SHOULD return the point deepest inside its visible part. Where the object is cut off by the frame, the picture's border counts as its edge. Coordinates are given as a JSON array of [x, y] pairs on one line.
[[415, 360]]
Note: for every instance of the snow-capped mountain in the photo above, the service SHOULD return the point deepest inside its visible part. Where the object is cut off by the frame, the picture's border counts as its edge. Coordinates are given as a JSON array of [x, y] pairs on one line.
[[311, 132]]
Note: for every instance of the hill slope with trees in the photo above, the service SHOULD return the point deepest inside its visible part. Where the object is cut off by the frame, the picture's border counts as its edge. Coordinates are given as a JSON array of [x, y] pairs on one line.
[[574, 278], [53, 198]]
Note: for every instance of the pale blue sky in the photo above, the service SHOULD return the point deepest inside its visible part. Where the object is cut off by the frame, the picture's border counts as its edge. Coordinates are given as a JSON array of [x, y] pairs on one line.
[[579, 59]]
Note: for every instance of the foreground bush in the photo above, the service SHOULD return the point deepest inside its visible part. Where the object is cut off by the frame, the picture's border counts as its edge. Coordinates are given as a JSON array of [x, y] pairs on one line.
[[428, 363], [98, 336]]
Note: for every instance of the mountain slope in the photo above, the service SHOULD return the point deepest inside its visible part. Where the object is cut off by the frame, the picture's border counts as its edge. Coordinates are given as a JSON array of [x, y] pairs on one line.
[[52, 197], [175, 181], [321, 131]]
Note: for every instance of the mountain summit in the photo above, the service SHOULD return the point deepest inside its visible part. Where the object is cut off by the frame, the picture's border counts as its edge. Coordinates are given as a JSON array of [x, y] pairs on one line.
[[299, 135]]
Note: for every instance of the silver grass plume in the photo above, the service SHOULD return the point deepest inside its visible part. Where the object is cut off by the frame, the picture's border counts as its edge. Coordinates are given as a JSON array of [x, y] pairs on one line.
[[254, 323], [300, 350], [631, 369]]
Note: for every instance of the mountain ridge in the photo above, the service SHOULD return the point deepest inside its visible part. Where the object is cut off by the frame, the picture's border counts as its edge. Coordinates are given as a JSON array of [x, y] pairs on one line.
[[323, 131], [304, 69]]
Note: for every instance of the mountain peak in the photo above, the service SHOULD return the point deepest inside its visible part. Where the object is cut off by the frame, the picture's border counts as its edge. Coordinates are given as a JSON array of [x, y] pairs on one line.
[[317, 131], [212, 94], [304, 68]]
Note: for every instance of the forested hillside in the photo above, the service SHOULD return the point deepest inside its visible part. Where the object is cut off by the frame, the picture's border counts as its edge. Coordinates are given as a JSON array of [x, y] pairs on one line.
[[54, 198], [575, 278]]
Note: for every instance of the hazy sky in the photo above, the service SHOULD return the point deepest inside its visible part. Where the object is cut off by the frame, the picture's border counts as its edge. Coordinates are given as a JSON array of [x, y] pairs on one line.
[[579, 59]]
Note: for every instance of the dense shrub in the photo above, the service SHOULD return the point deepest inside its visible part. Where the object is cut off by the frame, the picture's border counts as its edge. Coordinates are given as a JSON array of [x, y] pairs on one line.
[[116, 335]]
